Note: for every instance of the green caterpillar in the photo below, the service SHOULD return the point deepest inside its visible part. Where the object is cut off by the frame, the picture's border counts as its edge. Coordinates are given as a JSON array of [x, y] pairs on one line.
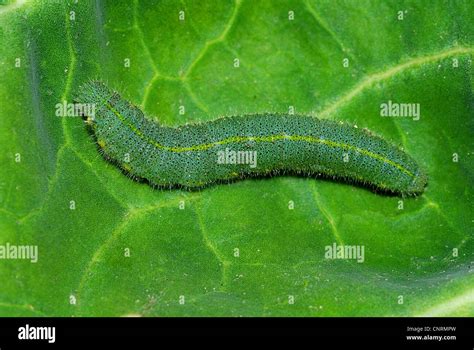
[[196, 155]]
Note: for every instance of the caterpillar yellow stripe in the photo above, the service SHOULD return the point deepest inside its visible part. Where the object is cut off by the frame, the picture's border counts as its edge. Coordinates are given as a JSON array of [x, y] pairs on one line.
[[196, 155]]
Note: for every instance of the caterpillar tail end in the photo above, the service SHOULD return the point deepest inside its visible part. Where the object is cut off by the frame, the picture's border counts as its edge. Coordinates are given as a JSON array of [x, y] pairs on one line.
[[417, 186]]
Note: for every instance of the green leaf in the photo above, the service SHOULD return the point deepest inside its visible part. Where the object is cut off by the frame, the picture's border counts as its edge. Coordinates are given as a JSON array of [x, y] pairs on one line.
[[236, 249]]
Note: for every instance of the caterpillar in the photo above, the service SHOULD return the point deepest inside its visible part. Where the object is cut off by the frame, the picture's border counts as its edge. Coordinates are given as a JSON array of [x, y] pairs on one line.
[[196, 155]]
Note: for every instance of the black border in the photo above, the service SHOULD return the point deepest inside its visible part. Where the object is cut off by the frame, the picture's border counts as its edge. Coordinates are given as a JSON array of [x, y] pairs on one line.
[[387, 331]]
